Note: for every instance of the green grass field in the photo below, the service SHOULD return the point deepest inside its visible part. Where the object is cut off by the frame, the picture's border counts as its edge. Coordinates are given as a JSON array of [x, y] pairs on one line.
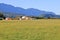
[[44, 29]]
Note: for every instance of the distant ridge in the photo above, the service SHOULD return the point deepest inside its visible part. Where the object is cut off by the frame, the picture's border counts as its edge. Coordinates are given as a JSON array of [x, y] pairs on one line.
[[11, 10]]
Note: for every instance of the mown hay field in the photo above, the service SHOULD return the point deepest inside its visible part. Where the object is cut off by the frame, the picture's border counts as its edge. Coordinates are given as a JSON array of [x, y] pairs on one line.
[[43, 29]]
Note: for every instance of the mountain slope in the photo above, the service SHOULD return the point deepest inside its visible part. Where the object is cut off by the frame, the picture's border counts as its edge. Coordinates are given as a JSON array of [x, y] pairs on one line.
[[9, 9]]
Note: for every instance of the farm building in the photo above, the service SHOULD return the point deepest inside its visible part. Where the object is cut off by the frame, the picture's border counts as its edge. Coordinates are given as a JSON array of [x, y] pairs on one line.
[[26, 18], [19, 18], [8, 18]]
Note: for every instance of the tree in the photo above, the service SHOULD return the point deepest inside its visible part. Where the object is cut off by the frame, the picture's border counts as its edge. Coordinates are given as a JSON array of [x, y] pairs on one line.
[[1, 15]]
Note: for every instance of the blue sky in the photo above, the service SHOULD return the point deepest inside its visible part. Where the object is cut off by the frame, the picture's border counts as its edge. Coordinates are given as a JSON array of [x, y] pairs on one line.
[[46, 5]]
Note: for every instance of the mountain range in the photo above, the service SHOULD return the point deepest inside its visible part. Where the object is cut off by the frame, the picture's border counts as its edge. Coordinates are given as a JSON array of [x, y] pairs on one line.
[[10, 10]]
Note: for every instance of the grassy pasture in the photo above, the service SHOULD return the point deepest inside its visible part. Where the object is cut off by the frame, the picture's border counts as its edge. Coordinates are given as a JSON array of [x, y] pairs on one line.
[[44, 29]]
